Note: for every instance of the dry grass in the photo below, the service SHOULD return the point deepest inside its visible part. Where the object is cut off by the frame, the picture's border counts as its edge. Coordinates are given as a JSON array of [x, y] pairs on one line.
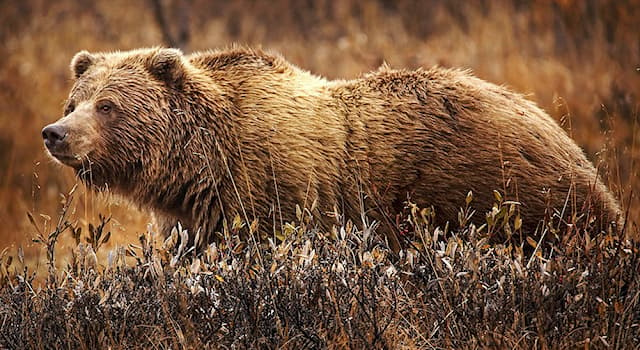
[[578, 59], [339, 289]]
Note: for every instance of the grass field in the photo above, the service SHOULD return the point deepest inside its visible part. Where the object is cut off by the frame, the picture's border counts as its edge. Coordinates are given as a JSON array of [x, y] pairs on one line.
[[579, 60]]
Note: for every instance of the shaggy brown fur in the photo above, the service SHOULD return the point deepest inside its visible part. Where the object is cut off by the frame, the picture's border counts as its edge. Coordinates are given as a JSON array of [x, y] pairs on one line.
[[211, 135]]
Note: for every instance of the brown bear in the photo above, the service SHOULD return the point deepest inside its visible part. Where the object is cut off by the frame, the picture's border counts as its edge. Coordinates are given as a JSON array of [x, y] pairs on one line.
[[207, 136]]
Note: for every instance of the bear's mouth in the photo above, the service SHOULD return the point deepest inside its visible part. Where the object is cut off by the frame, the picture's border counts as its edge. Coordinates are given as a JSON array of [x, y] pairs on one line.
[[66, 159]]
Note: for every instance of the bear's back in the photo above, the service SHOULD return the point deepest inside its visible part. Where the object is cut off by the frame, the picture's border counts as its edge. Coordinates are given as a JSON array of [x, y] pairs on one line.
[[240, 60]]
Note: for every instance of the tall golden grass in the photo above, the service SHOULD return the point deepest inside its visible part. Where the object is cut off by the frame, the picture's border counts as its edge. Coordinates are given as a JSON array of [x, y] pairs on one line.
[[580, 60]]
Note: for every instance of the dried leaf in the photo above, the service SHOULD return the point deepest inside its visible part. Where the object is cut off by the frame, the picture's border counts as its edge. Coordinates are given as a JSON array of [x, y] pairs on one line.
[[237, 223], [298, 213], [106, 238], [195, 266], [532, 242], [33, 222], [254, 226], [469, 197], [517, 224]]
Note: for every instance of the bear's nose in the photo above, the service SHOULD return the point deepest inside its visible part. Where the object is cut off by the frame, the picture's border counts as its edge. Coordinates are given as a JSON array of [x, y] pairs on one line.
[[53, 135]]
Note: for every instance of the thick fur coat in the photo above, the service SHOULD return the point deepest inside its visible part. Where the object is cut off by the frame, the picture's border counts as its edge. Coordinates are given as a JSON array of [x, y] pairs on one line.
[[202, 137]]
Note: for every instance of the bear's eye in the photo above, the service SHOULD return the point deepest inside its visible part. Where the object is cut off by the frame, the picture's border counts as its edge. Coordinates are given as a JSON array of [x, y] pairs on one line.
[[70, 108], [104, 108]]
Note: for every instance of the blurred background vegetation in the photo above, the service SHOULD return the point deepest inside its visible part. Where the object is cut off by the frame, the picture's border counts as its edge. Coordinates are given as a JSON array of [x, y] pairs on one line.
[[578, 59]]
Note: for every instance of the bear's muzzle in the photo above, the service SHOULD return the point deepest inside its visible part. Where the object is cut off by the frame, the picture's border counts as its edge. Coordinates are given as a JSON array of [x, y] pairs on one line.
[[55, 139]]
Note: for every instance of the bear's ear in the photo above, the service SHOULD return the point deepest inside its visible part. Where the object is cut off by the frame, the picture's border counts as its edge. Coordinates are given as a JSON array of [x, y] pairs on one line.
[[167, 66], [81, 62]]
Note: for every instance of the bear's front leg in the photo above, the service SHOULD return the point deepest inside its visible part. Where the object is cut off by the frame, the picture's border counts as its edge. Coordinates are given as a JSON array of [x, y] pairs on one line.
[[164, 224]]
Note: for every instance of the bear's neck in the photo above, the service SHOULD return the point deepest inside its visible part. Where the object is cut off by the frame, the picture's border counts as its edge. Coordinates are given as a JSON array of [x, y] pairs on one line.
[[185, 185]]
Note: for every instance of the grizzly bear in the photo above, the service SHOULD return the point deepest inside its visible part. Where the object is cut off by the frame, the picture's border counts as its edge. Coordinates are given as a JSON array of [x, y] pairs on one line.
[[205, 137]]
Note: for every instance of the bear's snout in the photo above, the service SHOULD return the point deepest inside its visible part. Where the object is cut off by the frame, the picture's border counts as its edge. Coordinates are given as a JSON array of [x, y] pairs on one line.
[[54, 135]]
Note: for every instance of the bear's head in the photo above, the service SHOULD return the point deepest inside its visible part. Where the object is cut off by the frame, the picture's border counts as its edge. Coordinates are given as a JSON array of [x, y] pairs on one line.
[[119, 115]]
